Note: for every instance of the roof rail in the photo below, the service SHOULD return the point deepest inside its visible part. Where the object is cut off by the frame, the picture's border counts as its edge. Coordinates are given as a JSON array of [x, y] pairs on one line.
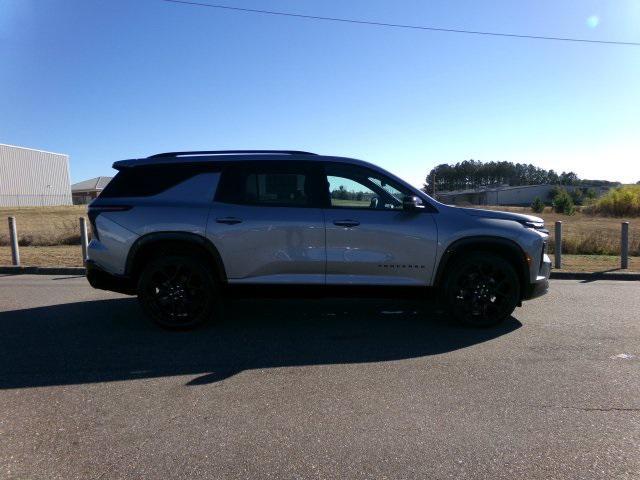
[[229, 152]]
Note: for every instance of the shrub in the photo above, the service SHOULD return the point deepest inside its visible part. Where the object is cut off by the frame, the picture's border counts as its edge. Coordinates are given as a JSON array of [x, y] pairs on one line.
[[562, 202], [537, 206], [619, 202], [577, 196]]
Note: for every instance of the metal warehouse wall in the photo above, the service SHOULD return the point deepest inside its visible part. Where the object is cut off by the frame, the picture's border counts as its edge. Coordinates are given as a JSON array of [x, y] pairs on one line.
[[523, 196], [31, 178]]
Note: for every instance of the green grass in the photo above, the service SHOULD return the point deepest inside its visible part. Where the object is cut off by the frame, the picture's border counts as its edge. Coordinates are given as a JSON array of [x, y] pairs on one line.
[[350, 203]]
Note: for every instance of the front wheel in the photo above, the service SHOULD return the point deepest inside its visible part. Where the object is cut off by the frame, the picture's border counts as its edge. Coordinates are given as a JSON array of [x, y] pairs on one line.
[[177, 292], [482, 289]]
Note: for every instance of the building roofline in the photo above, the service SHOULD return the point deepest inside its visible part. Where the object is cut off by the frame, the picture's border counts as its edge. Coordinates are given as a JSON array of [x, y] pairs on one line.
[[92, 187], [34, 149]]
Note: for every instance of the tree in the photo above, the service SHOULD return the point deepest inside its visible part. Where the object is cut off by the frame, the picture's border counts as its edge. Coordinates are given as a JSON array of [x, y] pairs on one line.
[[568, 178], [341, 193], [474, 174]]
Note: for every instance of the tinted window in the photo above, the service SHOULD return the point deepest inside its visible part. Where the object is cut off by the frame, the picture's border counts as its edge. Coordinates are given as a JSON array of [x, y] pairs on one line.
[[276, 188], [267, 185], [150, 180]]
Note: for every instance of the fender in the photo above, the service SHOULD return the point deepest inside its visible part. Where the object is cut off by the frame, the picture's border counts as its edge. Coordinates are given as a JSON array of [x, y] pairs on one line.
[[486, 242], [181, 237]]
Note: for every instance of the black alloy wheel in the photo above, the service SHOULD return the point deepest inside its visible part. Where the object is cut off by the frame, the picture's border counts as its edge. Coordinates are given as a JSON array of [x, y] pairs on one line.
[[482, 289], [177, 292]]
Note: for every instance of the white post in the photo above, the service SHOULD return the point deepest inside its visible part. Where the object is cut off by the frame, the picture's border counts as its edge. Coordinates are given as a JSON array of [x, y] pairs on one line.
[[624, 246], [13, 235], [84, 239], [557, 252]]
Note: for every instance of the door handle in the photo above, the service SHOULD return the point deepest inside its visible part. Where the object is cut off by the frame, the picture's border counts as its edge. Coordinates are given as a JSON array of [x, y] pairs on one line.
[[228, 220], [346, 223]]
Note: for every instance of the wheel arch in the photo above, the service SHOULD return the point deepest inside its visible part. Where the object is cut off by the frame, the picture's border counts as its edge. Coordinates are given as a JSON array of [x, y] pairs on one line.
[[147, 245], [505, 247]]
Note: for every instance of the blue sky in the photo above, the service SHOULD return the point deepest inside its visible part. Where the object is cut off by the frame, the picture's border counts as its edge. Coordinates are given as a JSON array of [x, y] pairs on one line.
[[104, 80]]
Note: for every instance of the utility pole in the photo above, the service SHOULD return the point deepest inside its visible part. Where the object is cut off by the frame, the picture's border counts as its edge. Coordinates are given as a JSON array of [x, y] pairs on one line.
[[434, 184]]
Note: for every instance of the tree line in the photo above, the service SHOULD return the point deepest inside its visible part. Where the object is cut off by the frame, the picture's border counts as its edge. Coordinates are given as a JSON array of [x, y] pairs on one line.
[[471, 174]]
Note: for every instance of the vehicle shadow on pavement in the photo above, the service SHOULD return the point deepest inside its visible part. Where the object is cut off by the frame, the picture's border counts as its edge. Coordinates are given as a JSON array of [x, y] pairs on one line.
[[109, 340]]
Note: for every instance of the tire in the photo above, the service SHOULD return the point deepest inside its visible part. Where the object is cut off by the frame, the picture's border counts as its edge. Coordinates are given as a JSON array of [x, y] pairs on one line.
[[178, 292], [481, 289]]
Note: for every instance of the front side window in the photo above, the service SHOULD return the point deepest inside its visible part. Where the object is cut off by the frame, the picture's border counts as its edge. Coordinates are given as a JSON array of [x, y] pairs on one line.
[[265, 185], [397, 194], [356, 187], [346, 192]]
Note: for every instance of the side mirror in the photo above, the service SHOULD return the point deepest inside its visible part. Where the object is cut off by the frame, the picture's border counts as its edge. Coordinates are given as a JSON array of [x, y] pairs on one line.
[[410, 202]]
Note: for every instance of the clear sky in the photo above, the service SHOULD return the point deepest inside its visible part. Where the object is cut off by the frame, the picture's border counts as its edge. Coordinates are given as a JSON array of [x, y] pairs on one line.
[[104, 80]]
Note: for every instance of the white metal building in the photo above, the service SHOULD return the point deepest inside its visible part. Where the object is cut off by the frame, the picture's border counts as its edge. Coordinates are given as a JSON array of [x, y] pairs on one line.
[[32, 178]]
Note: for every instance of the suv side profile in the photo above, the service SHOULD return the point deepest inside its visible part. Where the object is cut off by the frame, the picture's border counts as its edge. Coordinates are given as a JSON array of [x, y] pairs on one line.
[[179, 229]]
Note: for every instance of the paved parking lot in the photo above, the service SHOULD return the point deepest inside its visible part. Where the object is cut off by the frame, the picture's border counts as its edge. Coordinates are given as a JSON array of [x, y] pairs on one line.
[[317, 388]]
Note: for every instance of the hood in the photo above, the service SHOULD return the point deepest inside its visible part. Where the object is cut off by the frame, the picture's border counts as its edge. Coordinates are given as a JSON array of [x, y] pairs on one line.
[[518, 217]]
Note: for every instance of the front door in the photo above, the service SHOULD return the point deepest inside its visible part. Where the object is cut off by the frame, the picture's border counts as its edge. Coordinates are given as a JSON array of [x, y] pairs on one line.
[[371, 239], [267, 225]]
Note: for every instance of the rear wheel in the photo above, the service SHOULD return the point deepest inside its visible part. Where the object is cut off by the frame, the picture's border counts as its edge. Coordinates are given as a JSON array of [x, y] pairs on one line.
[[482, 289], [178, 292]]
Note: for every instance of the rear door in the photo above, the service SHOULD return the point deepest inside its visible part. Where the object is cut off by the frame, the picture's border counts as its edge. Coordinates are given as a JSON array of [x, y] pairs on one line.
[[267, 223], [371, 239]]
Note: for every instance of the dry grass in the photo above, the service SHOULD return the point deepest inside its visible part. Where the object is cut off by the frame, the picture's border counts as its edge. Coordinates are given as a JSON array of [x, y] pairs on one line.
[[59, 256], [596, 263], [585, 234], [44, 226]]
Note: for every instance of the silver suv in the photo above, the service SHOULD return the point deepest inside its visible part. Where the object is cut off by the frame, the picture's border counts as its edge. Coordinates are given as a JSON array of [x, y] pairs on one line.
[[181, 229]]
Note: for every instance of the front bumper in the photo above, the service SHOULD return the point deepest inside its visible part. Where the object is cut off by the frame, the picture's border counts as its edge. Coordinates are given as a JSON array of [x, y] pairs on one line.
[[103, 280], [536, 289], [540, 286]]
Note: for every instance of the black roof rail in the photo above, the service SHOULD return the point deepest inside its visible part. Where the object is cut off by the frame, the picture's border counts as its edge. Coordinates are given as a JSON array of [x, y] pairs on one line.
[[229, 152]]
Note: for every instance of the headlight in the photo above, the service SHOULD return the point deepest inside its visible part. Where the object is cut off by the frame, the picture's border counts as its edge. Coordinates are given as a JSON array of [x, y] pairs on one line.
[[539, 226]]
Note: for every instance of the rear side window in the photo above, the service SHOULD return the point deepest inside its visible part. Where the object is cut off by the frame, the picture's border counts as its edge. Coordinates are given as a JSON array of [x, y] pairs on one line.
[[276, 189], [268, 185], [148, 180]]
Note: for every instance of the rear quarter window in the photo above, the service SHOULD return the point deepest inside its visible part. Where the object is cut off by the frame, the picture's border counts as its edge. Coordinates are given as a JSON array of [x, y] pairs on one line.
[[149, 180]]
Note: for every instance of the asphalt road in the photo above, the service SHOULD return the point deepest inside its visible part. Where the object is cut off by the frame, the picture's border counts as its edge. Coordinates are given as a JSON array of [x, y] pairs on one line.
[[315, 388]]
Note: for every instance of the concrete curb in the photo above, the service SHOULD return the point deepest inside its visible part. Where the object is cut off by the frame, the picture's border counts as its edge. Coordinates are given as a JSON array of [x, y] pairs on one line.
[[43, 270], [560, 275], [555, 274]]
